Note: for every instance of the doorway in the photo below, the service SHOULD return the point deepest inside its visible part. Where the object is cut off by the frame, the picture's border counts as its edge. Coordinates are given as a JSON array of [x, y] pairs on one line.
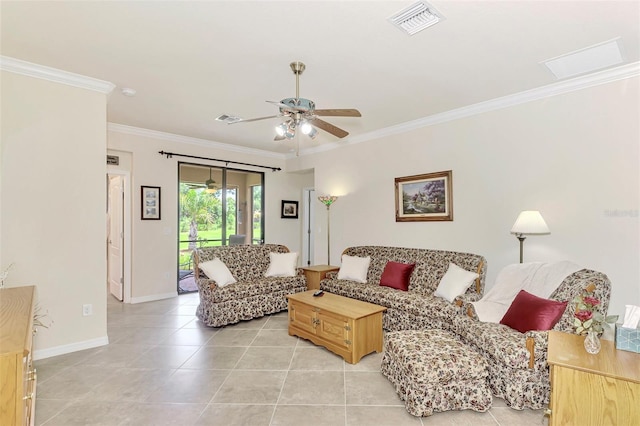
[[118, 238], [217, 206]]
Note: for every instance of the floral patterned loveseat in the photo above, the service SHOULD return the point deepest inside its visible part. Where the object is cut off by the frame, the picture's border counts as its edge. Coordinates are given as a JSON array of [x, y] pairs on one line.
[[253, 295], [517, 362], [416, 308]]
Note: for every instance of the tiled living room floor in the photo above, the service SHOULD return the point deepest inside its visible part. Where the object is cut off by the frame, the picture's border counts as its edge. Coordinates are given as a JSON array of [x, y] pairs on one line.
[[162, 367]]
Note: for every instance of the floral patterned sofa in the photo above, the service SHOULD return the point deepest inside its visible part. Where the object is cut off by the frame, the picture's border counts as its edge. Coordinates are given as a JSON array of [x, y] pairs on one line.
[[417, 308], [517, 362], [253, 295]]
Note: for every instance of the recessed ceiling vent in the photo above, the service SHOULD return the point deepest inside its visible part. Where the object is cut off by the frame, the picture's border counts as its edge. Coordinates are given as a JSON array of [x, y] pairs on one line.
[[416, 17], [228, 118]]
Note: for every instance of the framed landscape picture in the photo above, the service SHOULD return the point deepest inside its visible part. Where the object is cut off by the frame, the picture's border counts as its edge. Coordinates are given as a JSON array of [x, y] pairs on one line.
[[289, 209], [150, 202], [427, 197]]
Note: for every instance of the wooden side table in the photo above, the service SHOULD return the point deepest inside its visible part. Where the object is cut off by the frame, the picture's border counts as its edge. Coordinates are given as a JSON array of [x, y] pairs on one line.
[[317, 273], [592, 389]]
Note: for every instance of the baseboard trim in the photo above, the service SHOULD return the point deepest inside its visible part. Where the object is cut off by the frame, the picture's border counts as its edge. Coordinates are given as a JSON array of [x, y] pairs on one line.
[[72, 347], [153, 297]]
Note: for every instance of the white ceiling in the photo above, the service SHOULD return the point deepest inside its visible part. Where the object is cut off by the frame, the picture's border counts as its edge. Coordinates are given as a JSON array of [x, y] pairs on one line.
[[192, 61]]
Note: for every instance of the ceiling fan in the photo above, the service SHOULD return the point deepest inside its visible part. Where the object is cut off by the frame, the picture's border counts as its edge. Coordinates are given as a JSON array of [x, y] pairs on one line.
[[300, 113]]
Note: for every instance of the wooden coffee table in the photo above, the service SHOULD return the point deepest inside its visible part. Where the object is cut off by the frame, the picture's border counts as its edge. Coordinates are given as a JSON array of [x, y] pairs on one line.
[[347, 327]]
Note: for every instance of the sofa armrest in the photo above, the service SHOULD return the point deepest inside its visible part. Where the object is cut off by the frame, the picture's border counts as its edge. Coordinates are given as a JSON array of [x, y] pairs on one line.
[[465, 305], [537, 345], [331, 275]]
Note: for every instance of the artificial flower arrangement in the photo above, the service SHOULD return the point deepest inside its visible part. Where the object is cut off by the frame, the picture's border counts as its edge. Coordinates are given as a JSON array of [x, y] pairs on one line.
[[586, 317]]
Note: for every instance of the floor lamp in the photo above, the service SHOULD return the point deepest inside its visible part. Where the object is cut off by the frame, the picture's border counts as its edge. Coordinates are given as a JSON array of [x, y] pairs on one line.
[[529, 222], [327, 200]]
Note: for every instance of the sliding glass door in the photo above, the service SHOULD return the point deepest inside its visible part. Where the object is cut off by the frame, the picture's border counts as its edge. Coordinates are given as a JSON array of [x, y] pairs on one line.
[[217, 206]]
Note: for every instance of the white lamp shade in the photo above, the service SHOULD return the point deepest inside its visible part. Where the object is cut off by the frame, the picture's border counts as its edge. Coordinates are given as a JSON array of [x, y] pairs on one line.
[[530, 222]]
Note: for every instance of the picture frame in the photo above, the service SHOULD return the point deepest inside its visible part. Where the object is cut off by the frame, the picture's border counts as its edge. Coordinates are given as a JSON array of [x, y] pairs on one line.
[[289, 209], [150, 202], [426, 197]]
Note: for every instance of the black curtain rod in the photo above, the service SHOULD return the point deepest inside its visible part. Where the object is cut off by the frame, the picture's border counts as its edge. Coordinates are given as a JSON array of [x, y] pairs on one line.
[[171, 154]]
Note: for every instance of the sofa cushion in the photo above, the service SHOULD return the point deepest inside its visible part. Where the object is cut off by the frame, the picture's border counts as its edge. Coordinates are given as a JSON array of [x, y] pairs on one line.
[[455, 282], [396, 275], [354, 268], [216, 270], [282, 265], [529, 312]]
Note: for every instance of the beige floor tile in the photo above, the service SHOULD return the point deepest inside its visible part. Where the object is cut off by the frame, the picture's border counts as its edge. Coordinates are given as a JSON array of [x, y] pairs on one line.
[[380, 416], [274, 338], [369, 388], [164, 414], [316, 358], [509, 417], [165, 357], [184, 310], [74, 383], [145, 336], [370, 362], [95, 413], [277, 322], [236, 415], [189, 337], [215, 357], [251, 387], [129, 384], [116, 355], [48, 408], [316, 415], [313, 387], [266, 358], [461, 417], [232, 337], [189, 387], [253, 324]]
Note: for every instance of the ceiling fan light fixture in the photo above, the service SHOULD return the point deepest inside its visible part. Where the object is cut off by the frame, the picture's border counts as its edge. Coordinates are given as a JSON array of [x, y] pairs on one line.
[[281, 129], [416, 17], [313, 133], [210, 184], [306, 128]]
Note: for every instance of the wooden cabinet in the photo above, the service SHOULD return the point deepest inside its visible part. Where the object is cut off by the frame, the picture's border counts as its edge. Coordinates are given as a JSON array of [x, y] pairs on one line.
[[601, 389], [17, 375], [315, 274], [347, 327]]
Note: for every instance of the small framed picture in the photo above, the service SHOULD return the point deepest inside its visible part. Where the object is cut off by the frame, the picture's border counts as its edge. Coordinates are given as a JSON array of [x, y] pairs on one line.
[[150, 202], [289, 209]]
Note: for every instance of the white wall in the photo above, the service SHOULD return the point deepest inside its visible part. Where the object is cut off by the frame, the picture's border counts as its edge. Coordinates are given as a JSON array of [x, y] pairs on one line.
[[285, 186], [53, 196], [154, 257], [574, 157]]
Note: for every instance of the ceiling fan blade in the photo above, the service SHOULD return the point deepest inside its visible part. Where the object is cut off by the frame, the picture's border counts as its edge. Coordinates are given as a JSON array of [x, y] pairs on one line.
[[255, 119], [281, 105], [329, 128], [338, 112]]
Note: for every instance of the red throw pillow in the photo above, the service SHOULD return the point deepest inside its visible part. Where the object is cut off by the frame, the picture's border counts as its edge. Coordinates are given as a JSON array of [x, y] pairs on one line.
[[396, 275], [530, 312]]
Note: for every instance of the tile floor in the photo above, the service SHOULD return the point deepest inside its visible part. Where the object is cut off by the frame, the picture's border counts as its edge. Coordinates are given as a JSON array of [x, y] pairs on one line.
[[163, 367]]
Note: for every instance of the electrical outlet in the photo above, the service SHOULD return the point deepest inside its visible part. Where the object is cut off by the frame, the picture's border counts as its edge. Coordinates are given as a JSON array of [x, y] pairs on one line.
[[87, 310]]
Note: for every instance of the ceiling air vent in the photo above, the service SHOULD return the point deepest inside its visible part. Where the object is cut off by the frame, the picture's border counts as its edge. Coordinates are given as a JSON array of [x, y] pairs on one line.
[[416, 17], [228, 118]]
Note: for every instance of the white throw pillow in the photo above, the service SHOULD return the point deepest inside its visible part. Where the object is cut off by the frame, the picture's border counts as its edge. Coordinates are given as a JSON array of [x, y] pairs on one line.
[[354, 268], [282, 265], [455, 282], [216, 270]]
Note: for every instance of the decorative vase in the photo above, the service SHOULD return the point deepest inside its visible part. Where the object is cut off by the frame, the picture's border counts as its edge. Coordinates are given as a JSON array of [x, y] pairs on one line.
[[592, 342]]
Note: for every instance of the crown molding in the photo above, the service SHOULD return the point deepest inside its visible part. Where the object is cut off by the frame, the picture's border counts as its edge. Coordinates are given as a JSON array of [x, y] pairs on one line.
[[155, 134], [55, 75], [554, 89]]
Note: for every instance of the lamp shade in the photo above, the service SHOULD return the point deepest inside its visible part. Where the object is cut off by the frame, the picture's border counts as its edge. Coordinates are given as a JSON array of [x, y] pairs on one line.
[[530, 222]]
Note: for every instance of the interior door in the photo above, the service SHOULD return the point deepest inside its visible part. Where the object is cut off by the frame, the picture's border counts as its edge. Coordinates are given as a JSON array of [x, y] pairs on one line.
[[115, 235]]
